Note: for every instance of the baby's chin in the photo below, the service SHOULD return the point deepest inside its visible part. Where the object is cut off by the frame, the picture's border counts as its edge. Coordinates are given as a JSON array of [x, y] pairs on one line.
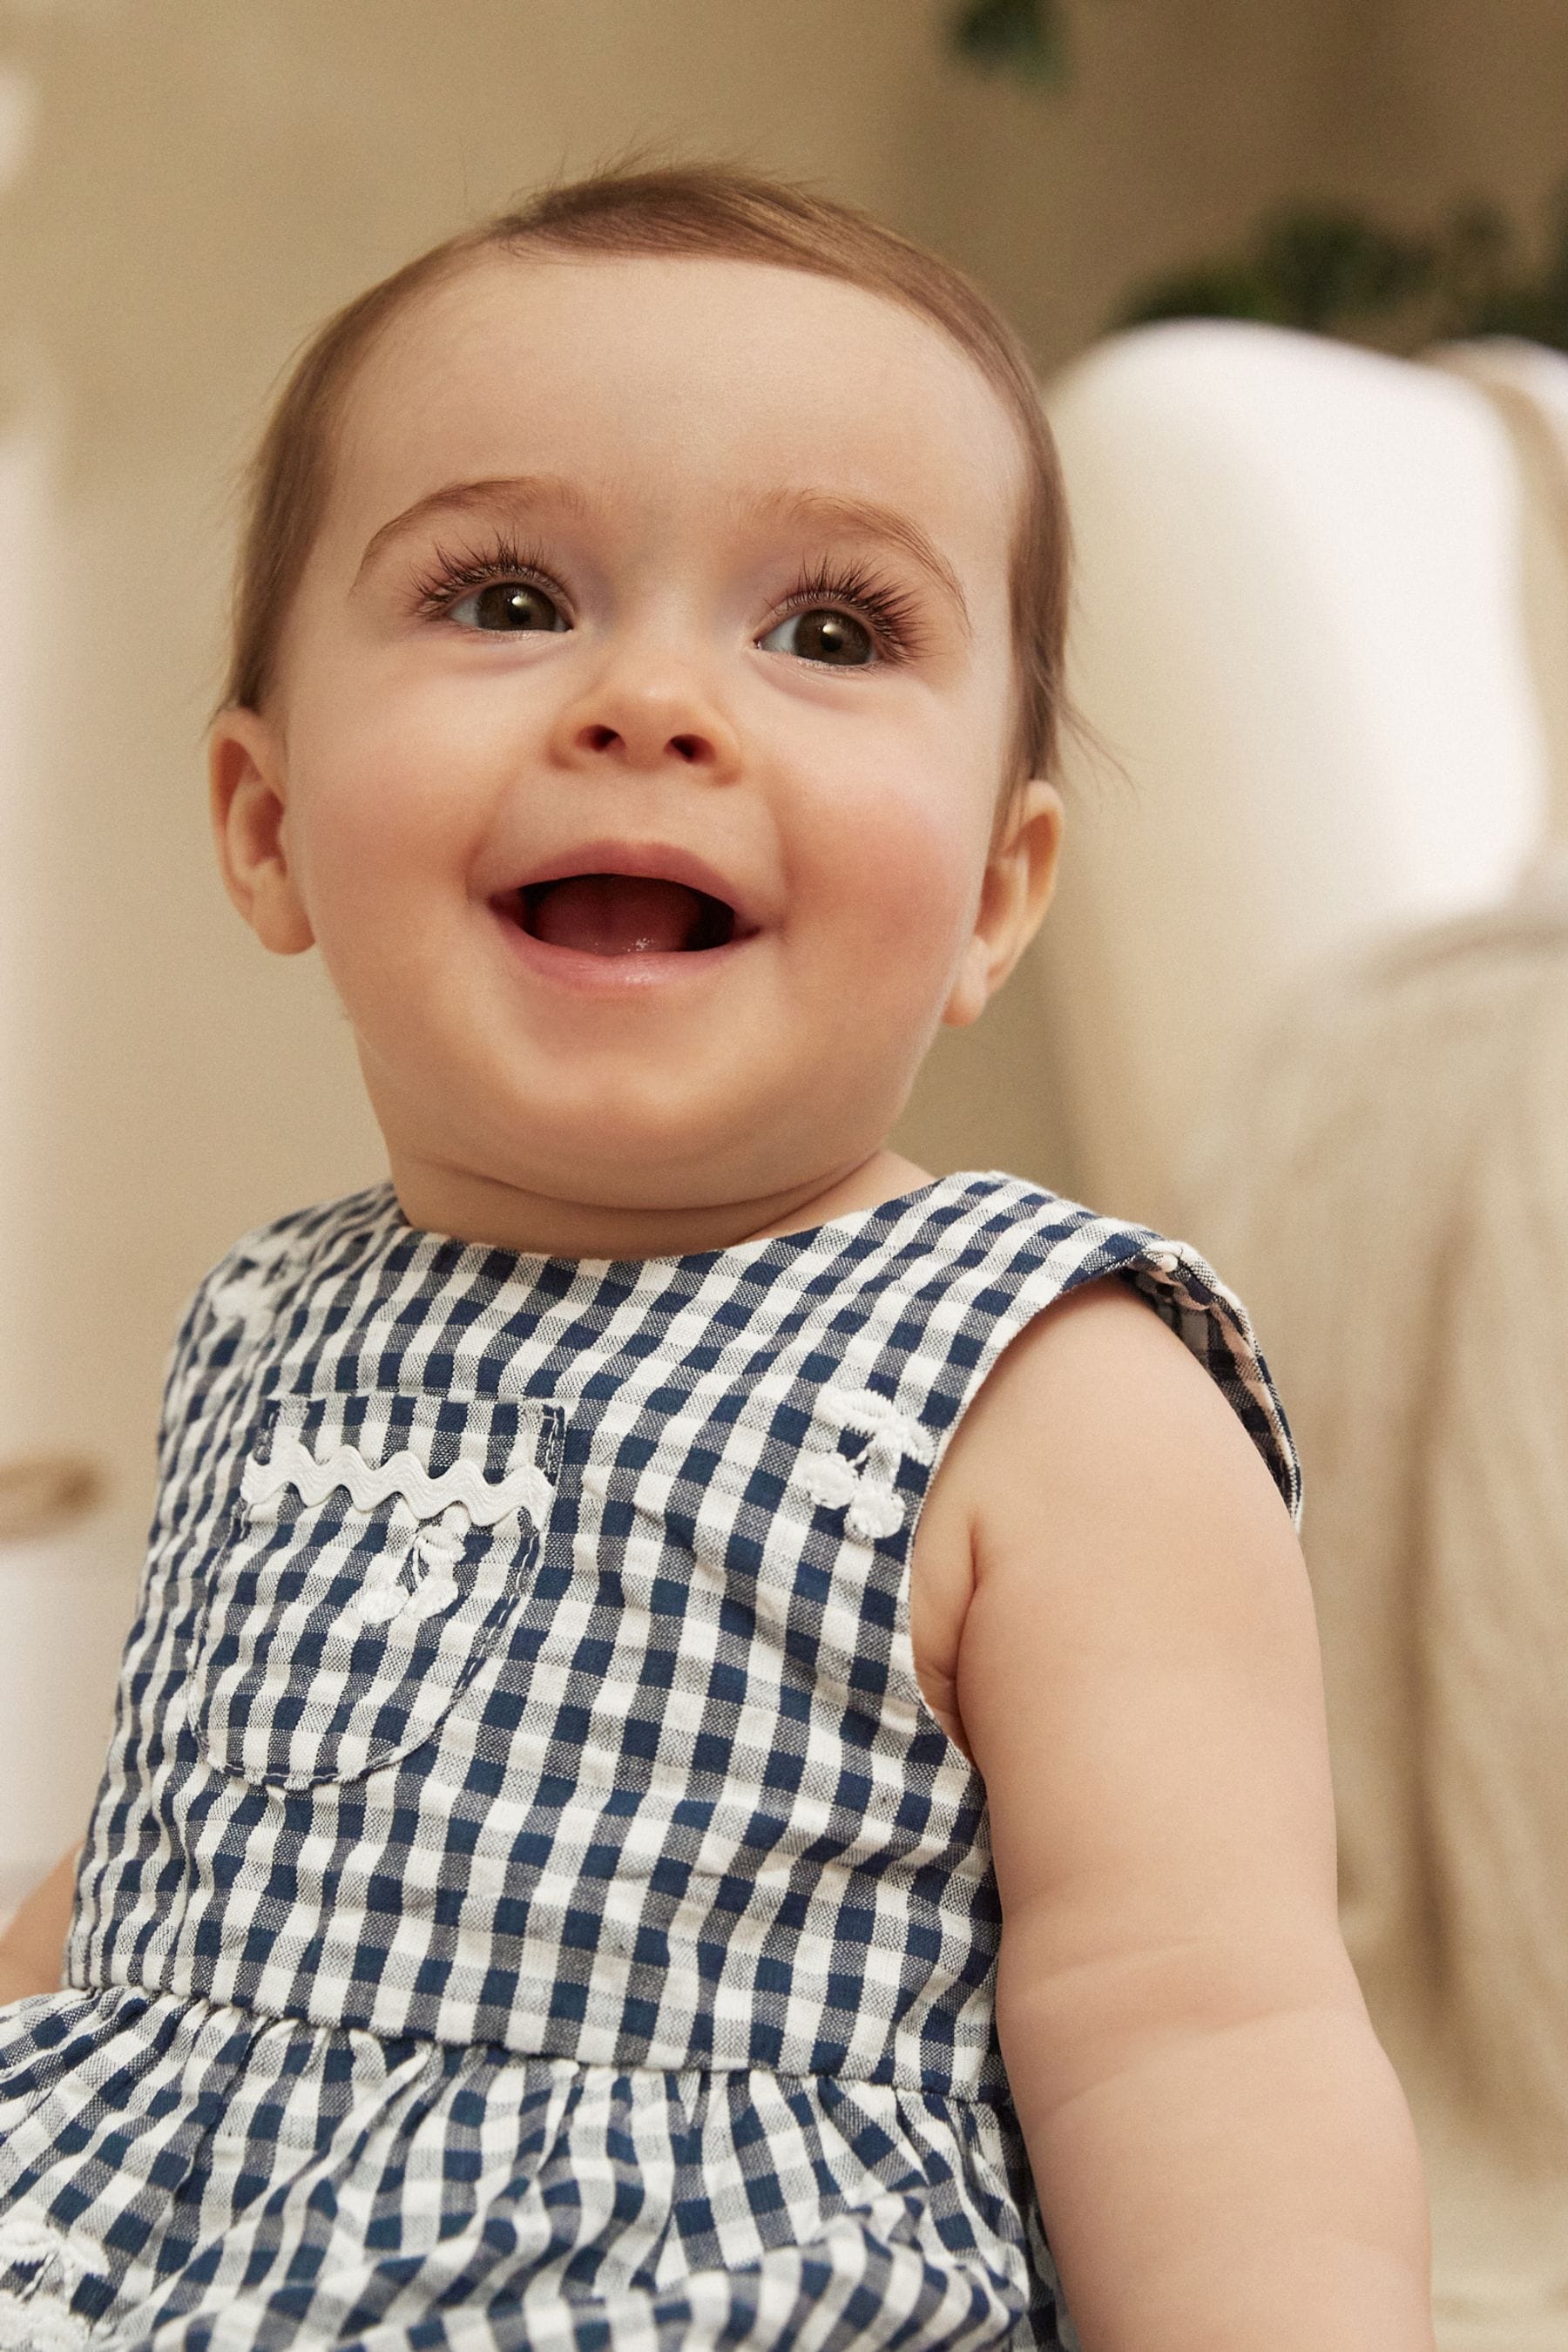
[[580, 1154], [602, 1201]]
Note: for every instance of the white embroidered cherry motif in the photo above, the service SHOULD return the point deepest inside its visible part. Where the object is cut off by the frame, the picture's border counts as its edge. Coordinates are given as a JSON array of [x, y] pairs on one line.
[[865, 1481], [383, 1592], [435, 1553]]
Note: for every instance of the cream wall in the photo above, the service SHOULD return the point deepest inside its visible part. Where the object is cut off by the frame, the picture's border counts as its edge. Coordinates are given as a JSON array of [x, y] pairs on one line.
[[204, 181]]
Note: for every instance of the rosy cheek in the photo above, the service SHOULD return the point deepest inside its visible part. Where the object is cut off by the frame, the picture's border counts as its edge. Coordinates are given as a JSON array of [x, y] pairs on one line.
[[909, 875], [377, 794], [355, 854]]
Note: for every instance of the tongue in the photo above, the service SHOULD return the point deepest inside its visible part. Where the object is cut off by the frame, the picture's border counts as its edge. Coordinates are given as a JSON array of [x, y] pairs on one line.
[[616, 914]]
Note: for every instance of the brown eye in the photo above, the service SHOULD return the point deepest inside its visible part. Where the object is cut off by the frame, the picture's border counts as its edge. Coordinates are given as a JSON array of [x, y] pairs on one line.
[[823, 635], [509, 605]]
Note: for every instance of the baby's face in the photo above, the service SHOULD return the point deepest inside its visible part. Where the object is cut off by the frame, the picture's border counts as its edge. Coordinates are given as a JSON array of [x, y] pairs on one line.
[[691, 576]]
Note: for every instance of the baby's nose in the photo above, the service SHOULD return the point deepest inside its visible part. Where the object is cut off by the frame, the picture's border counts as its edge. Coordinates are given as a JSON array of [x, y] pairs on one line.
[[694, 749], [647, 721]]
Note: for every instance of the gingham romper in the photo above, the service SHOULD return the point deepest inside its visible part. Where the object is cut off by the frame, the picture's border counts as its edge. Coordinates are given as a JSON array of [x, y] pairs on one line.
[[530, 1903]]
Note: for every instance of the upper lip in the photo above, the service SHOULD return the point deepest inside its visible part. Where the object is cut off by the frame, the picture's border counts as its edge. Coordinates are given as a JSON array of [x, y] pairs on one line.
[[652, 861]]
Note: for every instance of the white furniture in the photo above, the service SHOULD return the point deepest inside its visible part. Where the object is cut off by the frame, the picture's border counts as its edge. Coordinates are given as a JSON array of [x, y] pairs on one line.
[[1322, 624], [1297, 632]]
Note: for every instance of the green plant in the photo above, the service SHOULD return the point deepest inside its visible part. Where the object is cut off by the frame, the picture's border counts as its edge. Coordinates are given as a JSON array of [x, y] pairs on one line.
[[1327, 268], [1337, 272], [1025, 37]]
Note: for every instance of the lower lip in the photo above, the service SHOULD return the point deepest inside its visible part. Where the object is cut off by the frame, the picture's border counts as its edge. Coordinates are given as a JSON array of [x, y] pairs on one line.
[[612, 975]]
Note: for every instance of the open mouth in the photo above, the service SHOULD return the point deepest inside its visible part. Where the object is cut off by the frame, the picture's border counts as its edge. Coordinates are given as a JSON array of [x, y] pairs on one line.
[[623, 914]]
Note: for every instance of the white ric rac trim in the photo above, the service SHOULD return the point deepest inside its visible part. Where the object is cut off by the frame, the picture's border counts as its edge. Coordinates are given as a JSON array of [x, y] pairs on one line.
[[368, 1482]]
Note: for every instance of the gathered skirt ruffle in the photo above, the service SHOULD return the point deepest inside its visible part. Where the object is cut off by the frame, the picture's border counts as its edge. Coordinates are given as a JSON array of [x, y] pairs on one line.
[[180, 2177]]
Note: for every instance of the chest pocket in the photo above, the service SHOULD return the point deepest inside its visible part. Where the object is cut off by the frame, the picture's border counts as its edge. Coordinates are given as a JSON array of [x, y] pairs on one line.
[[372, 1562]]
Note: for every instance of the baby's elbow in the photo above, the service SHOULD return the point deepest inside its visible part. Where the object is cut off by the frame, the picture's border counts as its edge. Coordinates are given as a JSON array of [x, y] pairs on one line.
[[1071, 2026]]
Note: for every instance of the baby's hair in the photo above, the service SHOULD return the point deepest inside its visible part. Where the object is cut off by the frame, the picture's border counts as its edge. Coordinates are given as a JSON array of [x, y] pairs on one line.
[[681, 211]]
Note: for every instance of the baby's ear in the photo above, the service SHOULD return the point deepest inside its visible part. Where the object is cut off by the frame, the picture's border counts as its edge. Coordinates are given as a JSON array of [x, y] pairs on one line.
[[247, 784], [1020, 876]]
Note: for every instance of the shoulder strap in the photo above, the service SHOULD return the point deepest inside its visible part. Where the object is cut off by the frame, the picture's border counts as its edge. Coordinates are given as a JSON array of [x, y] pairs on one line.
[[243, 1290], [1013, 1250]]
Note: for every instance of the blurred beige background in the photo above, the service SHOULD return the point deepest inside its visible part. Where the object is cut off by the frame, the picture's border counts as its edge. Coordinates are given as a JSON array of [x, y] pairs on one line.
[[197, 182]]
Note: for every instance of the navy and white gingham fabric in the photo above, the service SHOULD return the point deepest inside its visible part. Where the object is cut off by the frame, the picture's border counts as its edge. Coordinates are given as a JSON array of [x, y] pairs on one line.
[[530, 1903]]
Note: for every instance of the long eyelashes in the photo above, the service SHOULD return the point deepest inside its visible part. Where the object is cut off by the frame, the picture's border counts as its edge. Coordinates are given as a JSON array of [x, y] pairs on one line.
[[449, 574], [889, 611]]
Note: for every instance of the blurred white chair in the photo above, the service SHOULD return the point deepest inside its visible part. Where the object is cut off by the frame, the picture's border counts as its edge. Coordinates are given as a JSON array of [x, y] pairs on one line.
[[1296, 629], [1528, 387], [1302, 1012]]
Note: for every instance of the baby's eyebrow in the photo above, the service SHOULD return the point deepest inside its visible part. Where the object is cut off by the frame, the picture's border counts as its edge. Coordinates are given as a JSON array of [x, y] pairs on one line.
[[509, 493], [865, 518], [820, 510]]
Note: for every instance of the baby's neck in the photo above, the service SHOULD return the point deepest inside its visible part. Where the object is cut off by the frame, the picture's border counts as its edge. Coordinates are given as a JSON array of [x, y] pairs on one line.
[[437, 1198]]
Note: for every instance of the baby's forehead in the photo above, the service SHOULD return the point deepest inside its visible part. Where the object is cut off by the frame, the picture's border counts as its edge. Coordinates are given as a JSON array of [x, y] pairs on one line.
[[687, 366], [740, 296]]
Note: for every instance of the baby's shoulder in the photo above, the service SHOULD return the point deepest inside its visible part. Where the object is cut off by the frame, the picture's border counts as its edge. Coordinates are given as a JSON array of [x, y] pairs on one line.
[[1057, 1292], [240, 1294], [1094, 1390], [1078, 1404]]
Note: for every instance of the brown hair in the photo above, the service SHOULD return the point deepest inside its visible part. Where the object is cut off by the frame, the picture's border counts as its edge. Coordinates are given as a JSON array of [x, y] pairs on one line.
[[688, 210]]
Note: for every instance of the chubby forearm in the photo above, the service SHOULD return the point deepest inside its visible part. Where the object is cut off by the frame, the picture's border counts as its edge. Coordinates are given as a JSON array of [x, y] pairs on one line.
[[1224, 2158], [1248, 2183]]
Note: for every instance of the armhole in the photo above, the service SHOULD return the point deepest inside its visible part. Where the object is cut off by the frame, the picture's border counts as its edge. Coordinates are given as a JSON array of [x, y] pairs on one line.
[[1214, 1326], [1072, 1247], [1060, 1250]]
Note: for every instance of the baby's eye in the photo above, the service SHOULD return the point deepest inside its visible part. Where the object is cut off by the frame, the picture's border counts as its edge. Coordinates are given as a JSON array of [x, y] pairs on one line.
[[823, 635], [508, 604]]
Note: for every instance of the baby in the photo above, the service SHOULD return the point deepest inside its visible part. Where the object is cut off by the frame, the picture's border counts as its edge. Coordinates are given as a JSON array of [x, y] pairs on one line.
[[721, 1744]]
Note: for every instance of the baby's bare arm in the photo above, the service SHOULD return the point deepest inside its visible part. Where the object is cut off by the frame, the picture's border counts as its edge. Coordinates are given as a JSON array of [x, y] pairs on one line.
[[33, 1947], [1224, 2158]]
